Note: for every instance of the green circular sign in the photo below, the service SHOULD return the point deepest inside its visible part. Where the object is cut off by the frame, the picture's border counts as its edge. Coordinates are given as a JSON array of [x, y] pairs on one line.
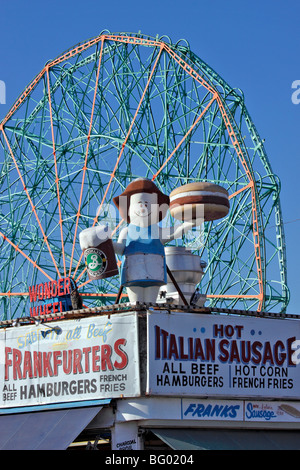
[[96, 261]]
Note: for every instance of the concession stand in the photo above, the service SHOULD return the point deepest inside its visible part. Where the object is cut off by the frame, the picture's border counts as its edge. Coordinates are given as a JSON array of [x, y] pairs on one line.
[[160, 372], [150, 376]]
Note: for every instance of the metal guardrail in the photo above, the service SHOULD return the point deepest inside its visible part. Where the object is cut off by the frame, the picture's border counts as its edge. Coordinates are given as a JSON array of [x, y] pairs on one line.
[[141, 307]]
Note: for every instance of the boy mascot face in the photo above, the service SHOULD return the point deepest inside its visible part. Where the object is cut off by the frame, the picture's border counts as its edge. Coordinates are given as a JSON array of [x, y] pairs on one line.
[[143, 209], [142, 203]]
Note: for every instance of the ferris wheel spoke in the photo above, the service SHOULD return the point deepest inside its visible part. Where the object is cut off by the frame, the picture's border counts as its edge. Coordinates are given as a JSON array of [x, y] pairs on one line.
[[190, 70], [256, 231], [86, 156], [30, 201], [249, 185], [56, 171], [25, 256], [184, 137], [124, 143]]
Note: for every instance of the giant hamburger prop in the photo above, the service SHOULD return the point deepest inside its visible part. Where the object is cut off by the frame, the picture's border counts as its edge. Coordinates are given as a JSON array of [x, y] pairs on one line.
[[196, 202]]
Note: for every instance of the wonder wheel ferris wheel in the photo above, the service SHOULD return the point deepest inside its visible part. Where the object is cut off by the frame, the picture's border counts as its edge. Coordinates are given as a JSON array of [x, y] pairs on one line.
[[109, 110]]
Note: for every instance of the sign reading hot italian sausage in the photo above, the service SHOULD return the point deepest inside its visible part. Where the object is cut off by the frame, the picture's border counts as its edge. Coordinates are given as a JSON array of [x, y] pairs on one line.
[[71, 360], [198, 355]]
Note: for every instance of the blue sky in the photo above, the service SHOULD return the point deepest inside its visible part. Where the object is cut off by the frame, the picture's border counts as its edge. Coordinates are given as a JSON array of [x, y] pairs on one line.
[[252, 44]]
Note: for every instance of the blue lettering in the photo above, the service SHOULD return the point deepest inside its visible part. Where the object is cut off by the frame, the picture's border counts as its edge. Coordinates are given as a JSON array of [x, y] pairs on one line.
[[251, 413], [207, 411], [190, 409], [217, 410], [200, 410], [233, 412]]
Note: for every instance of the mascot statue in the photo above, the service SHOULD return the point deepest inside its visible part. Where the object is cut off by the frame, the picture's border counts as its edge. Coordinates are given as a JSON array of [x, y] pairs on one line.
[[141, 243]]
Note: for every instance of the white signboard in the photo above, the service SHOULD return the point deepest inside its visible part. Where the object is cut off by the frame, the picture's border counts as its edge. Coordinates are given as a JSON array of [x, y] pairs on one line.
[[272, 411], [212, 410], [240, 410], [197, 410], [221, 355], [86, 359]]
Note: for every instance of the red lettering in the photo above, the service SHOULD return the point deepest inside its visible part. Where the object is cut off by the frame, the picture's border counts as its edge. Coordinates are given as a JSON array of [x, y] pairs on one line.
[[56, 361], [17, 359], [33, 293], [86, 352], [106, 352], [42, 309], [61, 287], [47, 292], [67, 361], [210, 350], [67, 285], [47, 368], [229, 331], [34, 311], [290, 349], [77, 355], [8, 362], [124, 358], [173, 351], [48, 309], [279, 357], [55, 307], [95, 359], [181, 349], [157, 342], [191, 348], [267, 354], [41, 291], [199, 350], [234, 352], [164, 334], [27, 367], [53, 289], [37, 364], [256, 351], [224, 352]]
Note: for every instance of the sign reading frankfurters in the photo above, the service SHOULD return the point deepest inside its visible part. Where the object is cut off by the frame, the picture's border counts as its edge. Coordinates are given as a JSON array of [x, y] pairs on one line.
[[218, 355], [86, 359]]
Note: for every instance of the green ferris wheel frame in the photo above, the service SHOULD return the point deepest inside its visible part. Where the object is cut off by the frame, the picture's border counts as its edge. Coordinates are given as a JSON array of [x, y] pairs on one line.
[[114, 108]]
